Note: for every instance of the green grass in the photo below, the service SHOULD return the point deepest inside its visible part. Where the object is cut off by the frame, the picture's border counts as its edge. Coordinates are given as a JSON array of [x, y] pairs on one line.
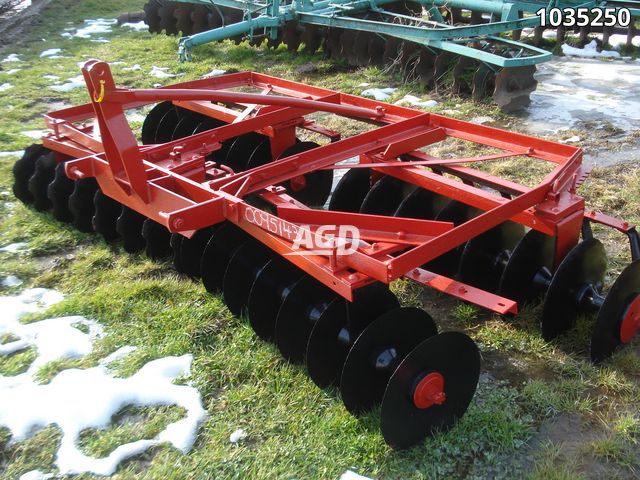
[[295, 430]]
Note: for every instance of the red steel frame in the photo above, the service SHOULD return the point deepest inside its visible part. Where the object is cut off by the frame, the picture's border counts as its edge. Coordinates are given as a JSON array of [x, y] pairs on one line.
[[176, 185]]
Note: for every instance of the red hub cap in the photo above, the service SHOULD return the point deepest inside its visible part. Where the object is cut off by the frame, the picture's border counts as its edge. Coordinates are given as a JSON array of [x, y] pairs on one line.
[[429, 391], [630, 321]]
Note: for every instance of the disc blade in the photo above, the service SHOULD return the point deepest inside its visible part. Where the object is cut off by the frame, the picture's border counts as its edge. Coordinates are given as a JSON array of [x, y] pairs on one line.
[[217, 254], [451, 354], [339, 326], [534, 255], [59, 191], [351, 190], [457, 213], [152, 120], [22, 171], [421, 203], [157, 240], [244, 265], [385, 196], [484, 257], [299, 311], [107, 211], [241, 149], [190, 251], [585, 264], [167, 124], [176, 244], [313, 188], [377, 352], [271, 286], [129, 227], [81, 203], [43, 174], [623, 295], [513, 87], [187, 124]]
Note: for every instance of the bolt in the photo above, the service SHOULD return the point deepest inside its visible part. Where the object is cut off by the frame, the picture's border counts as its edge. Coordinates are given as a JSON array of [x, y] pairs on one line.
[[401, 234], [177, 223], [462, 290]]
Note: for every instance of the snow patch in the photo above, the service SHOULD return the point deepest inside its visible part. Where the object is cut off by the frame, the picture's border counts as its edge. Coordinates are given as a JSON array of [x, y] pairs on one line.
[[481, 120], [94, 27], [161, 72], [573, 139], [135, 117], [12, 71], [137, 26], [11, 281], [214, 73], [134, 68], [51, 77], [17, 153], [12, 57], [413, 101], [72, 83], [36, 475], [379, 94], [238, 436], [5, 86], [51, 52], [13, 247], [589, 51], [349, 475], [78, 399], [35, 134]]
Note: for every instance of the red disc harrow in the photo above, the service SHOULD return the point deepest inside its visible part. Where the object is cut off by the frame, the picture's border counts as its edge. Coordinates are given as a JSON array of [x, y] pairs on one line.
[[235, 178]]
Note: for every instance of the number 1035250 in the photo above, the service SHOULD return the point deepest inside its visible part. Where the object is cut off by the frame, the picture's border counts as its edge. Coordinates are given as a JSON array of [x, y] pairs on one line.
[[583, 17]]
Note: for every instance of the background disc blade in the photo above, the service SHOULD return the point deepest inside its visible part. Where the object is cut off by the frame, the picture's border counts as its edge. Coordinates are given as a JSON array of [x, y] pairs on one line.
[[421, 203], [81, 203], [59, 191], [339, 326], [456, 357], [317, 184], [22, 171], [107, 211], [157, 240], [129, 226], [217, 254], [244, 265], [351, 190], [152, 120], [480, 264], [43, 174], [191, 249], [378, 351], [533, 254], [299, 311], [271, 286], [176, 243], [585, 263], [385, 196], [606, 332]]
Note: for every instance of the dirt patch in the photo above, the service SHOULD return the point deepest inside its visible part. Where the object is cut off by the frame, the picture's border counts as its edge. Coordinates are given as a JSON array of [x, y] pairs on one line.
[[13, 25]]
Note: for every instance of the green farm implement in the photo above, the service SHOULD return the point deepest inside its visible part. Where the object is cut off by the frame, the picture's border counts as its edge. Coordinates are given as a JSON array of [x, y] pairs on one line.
[[468, 47]]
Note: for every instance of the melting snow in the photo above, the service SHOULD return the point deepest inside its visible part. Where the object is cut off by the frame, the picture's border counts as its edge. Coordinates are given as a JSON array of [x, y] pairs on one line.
[[161, 72], [74, 82], [574, 90], [413, 101], [349, 475], [51, 77], [589, 51], [51, 52], [11, 281], [12, 57], [17, 153], [13, 247], [379, 94], [138, 26], [36, 475], [237, 436], [214, 73], [35, 134], [93, 27], [77, 399], [5, 86], [135, 68], [12, 71]]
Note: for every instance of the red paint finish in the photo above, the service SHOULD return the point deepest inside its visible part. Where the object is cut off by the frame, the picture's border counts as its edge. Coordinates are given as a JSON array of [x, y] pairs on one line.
[[178, 184], [429, 391], [631, 321]]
